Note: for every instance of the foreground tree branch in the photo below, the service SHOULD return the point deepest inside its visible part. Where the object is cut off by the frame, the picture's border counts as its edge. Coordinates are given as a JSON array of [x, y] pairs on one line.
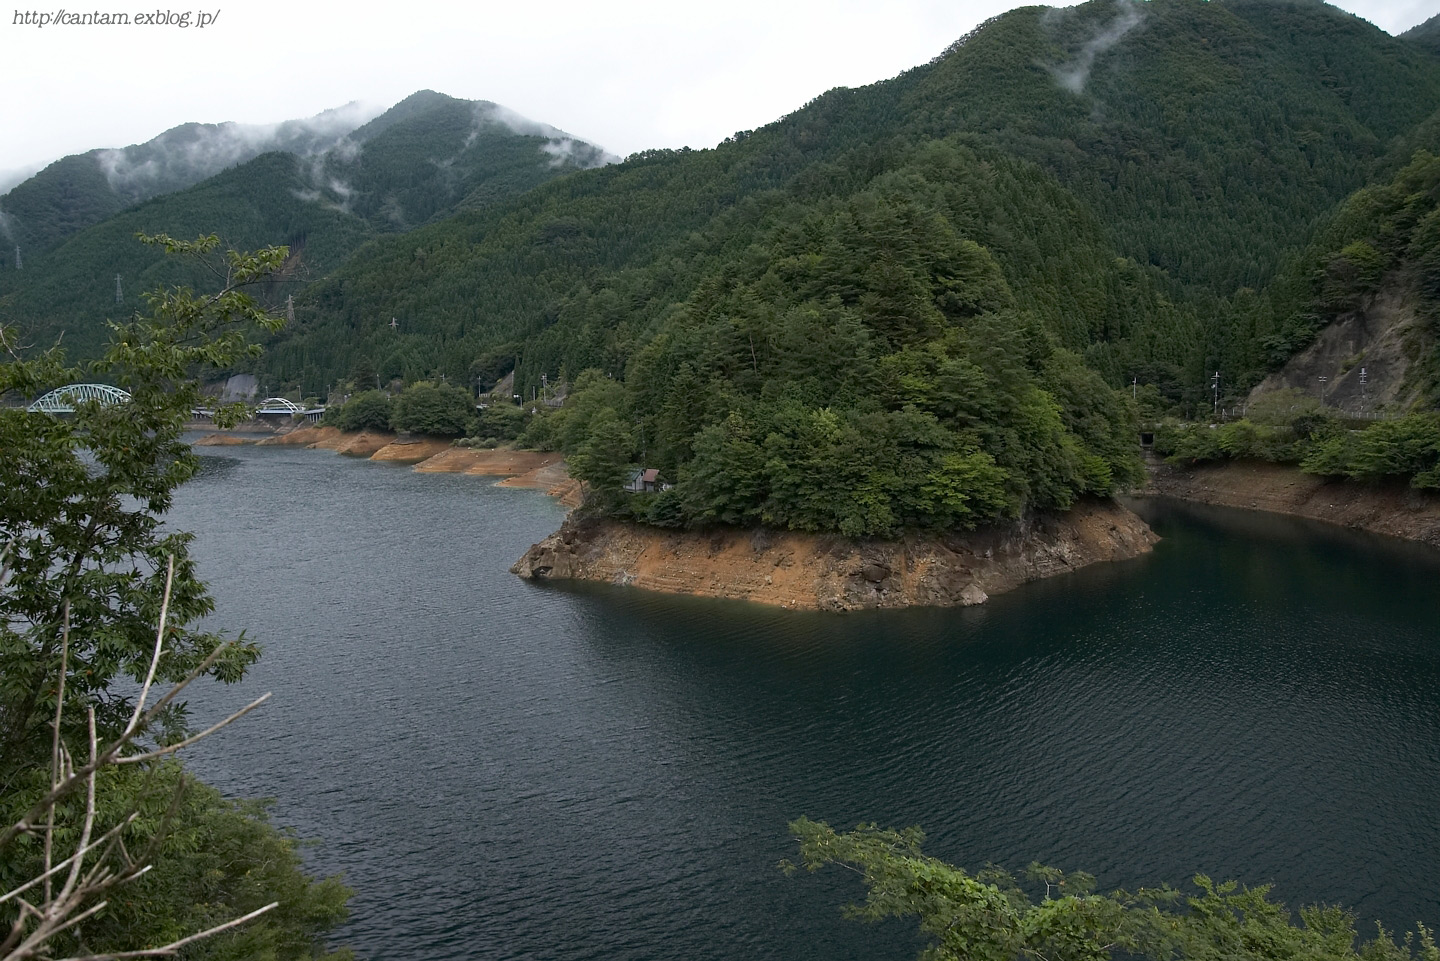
[[110, 866], [107, 848]]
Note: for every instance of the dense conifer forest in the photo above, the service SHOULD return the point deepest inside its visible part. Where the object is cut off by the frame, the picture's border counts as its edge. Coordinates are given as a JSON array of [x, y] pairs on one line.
[[933, 300]]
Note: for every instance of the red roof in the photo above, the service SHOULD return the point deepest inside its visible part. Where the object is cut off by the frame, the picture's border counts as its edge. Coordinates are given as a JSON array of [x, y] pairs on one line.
[[651, 475]]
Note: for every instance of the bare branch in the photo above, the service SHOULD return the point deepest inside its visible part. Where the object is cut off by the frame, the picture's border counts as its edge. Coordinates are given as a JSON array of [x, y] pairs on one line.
[[159, 646], [27, 822], [174, 946], [70, 882], [56, 869], [55, 759], [172, 748]]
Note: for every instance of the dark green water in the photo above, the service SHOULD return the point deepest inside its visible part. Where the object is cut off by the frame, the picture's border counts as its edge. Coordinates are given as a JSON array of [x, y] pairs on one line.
[[504, 770]]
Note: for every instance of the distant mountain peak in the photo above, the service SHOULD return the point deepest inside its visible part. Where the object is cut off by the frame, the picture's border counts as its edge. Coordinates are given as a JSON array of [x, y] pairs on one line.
[[41, 211]]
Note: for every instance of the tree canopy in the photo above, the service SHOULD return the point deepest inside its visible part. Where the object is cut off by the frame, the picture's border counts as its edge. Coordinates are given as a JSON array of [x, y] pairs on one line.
[[991, 916], [98, 600]]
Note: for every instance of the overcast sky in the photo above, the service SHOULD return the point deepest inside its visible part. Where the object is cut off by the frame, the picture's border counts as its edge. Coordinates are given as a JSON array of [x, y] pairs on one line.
[[625, 74]]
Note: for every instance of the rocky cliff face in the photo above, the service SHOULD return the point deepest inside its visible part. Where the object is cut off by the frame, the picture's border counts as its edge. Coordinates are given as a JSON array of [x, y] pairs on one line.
[[1381, 338], [832, 573]]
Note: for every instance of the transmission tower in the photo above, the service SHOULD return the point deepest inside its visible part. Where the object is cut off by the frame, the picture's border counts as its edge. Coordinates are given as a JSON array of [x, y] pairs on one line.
[[119, 297], [18, 262], [290, 308]]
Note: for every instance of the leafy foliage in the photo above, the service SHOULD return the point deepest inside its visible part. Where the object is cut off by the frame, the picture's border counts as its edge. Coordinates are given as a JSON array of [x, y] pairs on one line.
[[213, 860], [80, 505], [990, 917], [438, 409], [1407, 448], [1404, 448], [86, 561], [369, 410]]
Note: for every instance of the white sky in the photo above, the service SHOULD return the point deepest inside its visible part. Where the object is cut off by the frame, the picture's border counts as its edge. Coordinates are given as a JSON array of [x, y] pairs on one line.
[[625, 74]]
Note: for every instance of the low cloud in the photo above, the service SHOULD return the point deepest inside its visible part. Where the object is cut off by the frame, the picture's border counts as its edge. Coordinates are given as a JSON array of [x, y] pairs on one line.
[[16, 175], [561, 146], [192, 152], [1074, 75], [583, 155]]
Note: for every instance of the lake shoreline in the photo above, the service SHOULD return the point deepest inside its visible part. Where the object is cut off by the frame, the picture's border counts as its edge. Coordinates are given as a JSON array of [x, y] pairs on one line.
[[800, 571], [1392, 508], [831, 573], [531, 470]]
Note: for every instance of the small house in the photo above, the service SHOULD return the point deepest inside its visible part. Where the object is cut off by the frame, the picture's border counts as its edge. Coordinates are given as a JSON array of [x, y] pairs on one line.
[[645, 480]]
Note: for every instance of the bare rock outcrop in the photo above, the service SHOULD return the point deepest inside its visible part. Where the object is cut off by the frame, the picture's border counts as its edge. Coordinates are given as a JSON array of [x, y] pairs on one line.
[[831, 573]]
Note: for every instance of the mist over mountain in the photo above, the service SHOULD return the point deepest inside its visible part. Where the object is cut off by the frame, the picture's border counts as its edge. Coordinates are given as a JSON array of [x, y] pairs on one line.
[[82, 189], [455, 136], [1191, 149], [341, 184]]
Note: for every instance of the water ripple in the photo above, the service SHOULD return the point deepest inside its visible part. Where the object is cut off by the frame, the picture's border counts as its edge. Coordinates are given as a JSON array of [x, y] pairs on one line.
[[509, 771]]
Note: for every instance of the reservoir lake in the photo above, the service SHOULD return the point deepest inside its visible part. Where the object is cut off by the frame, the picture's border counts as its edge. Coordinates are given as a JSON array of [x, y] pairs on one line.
[[512, 770]]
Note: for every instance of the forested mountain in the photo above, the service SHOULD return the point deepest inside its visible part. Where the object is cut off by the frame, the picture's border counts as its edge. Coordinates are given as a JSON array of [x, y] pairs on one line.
[[854, 361], [425, 157], [1426, 34], [1200, 143], [72, 290], [1368, 288], [83, 189], [918, 289]]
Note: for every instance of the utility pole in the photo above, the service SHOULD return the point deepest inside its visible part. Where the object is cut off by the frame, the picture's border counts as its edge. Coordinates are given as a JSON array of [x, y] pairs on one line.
[[290, 308], [119, 297], [1364, 393], [1135, 388], [1323, 382], [1215, 390], [18, 262]]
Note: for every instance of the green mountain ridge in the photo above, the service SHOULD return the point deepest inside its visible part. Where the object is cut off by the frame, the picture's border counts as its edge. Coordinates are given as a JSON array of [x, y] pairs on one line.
[[1206, 143], [898, 308], [1427, 34], [77, 191], [909, 305], [426, 157]]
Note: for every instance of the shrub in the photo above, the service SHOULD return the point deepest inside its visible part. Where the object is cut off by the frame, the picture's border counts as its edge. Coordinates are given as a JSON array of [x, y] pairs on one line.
[[439, 409], [370, 410]]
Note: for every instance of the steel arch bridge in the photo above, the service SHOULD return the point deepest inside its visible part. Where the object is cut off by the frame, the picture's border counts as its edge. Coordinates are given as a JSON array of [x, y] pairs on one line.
[[62, 400], [278, 405]]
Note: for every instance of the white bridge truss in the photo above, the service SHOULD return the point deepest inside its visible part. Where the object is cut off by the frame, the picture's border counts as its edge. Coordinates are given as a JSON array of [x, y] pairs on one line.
[[62, 400], [278, 405]]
